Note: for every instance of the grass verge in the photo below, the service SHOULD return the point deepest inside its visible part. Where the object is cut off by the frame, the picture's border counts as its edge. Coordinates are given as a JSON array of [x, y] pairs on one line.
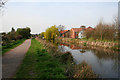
[[12, 45], [71, 69], [38, 63]]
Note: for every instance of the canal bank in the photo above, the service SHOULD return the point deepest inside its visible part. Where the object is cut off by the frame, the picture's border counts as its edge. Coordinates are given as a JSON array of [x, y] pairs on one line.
[[102, 44], [103, 62], [100, 61], [72, 70]]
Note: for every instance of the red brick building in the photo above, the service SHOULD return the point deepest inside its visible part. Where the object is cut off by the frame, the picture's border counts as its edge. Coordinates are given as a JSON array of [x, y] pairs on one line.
[[75, 31], [65, 33]]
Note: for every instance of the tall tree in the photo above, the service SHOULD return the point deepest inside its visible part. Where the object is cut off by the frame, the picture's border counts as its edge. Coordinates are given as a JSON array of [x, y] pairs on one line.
[[61, 28], [41, 34], [2, 3], [25, 32], [51, 33], [13, 30]]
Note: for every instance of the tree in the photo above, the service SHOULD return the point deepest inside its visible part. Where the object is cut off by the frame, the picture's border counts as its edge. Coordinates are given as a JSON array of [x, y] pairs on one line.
[[115, 22], [88, 33], [105, 31], [25, 32], [2, 3], [41, 34], [13, 30], [12, 34], [99, 30], [51, 33], [61, 28], [82, 26]]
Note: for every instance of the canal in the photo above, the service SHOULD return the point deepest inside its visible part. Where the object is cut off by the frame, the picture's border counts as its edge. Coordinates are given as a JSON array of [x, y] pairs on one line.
[[102, 61]]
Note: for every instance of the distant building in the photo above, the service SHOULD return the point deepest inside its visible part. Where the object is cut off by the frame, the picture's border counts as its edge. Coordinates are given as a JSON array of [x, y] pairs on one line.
[[75, 32], [79, 32], [65, 33]]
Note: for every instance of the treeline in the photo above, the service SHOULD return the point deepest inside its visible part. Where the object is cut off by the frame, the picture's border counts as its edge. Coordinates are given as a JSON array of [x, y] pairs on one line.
[[103, 31], [21, 33], [50, 34]]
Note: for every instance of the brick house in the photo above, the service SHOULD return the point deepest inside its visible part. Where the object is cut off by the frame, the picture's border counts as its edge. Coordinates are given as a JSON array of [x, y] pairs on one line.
[[79, 32], [74, 32], [65, 33]]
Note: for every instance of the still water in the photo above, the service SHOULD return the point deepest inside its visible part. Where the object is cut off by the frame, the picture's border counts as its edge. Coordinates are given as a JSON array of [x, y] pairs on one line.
[[104, 63]]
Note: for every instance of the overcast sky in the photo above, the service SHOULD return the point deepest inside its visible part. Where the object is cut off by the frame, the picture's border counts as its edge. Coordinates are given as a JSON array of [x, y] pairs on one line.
[[39, 15]]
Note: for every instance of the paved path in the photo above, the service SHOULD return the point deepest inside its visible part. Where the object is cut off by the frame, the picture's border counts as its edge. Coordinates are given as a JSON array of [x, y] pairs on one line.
[[12, 59]]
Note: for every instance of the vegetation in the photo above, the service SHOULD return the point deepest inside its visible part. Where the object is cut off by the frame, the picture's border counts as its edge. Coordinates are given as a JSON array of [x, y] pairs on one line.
[[38, 63], [11, 45], [14, 38], [21, 33], [103, 31], [61, 28], [51, 33], [67, 60], [2, 3], [42, 35], [85, 44], [84, 71], [24, 32]]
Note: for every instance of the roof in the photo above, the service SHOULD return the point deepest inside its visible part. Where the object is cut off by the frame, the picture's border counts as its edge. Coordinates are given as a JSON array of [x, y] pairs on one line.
[[64, 31], [80, 29], [77, 29], [89, 28]]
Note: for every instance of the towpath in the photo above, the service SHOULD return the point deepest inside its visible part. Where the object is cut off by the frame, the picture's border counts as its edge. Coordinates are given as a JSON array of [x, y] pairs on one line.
[[13, 58]]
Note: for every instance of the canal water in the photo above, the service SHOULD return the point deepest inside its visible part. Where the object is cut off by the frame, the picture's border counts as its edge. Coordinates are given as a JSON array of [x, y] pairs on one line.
[[103, 62]]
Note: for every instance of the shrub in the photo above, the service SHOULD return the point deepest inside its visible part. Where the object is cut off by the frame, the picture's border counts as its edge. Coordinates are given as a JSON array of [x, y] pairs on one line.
[[85, 44], [66, 58], [83, 70]]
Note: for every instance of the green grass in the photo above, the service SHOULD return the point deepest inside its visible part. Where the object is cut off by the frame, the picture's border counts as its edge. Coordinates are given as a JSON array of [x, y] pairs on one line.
[[38, 63], [12, 45]]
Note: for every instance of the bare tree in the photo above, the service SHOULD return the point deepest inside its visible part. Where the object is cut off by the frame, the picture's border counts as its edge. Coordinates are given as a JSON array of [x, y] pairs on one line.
[[2, 4], [100, 29], [116, 26], [61, 27], [115, 22]]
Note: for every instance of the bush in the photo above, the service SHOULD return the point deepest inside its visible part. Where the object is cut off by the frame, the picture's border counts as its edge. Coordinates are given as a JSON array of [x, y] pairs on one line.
[[11, 45], [85, 44], [66, 58], [84, 39], [83, 70]]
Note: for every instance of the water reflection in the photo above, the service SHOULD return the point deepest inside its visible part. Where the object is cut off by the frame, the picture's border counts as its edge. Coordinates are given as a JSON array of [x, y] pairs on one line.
[[103, 62]]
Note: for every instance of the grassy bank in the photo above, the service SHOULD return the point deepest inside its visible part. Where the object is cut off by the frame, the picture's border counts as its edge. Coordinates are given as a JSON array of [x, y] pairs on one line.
[[12, 45], [38, 63], [72, 70], [44, 60]]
